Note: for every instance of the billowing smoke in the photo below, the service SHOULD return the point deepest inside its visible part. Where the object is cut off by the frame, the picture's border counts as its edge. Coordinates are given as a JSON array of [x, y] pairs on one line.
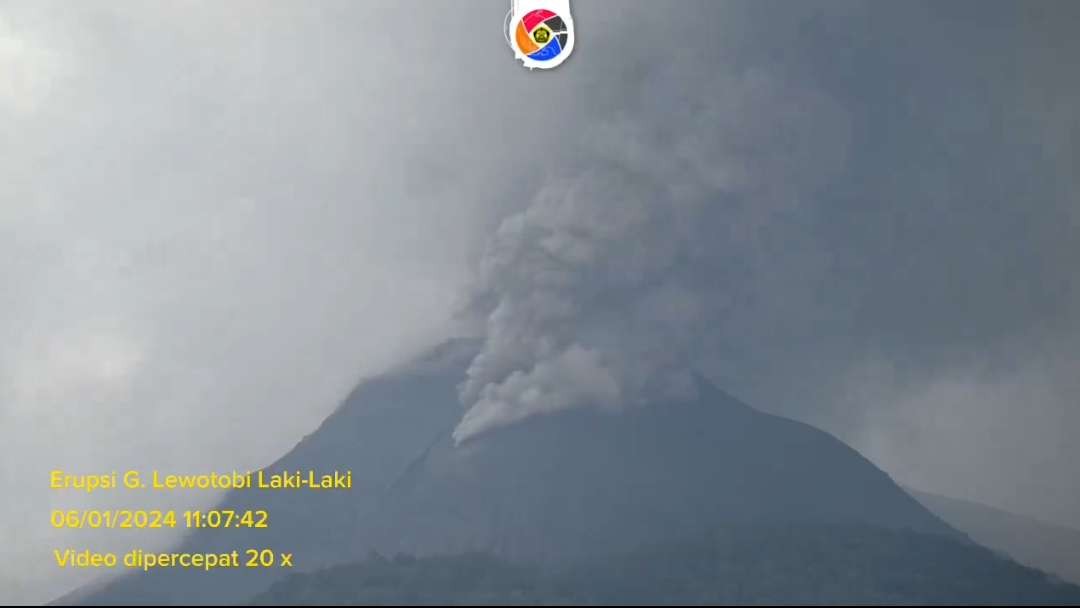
[[627, 269]]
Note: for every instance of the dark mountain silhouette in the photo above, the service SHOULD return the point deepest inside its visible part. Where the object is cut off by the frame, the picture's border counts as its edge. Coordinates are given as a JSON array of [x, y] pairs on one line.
[[587, 481], [573, 485], [820, 564]]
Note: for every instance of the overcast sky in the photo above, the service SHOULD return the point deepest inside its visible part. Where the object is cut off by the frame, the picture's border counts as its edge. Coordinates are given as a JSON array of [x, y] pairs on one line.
[[216, 217]]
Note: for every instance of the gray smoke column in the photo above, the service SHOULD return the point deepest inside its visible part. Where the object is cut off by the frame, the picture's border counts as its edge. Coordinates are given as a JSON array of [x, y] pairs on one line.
[[626, 269]]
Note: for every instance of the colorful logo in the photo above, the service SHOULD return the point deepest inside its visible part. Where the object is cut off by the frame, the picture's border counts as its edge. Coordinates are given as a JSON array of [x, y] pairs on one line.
[[542, 35]]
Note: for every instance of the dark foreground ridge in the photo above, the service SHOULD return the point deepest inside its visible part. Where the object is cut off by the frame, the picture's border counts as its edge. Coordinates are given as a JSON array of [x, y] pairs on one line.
[[800, 565]]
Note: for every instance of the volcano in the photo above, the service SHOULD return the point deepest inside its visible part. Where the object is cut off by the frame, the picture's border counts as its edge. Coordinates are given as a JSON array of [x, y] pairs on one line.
[[577, 484]]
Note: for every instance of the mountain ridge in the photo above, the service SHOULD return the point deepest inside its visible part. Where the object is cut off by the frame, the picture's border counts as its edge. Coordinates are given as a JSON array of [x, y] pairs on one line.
[[820, 565], [1054, 548]]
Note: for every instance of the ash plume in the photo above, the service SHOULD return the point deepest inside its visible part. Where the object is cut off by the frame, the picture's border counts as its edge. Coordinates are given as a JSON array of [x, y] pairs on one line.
[[624, 271]]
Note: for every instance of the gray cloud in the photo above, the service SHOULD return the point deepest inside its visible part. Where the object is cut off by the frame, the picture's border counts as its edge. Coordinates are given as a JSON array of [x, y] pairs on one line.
[[214, 220]]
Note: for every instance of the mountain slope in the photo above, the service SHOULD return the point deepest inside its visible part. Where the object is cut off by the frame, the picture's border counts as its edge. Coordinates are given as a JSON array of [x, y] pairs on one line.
[[571, 484], [1053, 548], [376, 432], [585, 480]]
